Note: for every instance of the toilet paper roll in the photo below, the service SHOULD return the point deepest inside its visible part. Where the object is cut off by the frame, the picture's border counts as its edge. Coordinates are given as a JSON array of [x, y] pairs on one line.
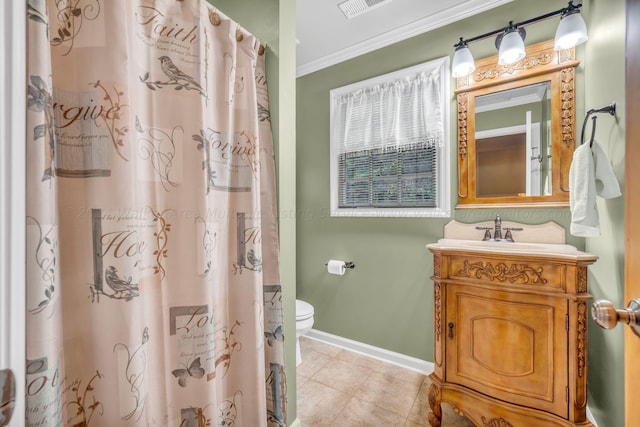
[[336, 267]]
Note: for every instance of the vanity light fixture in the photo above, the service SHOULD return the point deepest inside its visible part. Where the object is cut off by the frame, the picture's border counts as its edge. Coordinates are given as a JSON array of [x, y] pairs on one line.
[[571, 32], [463, 63], [510, 45]]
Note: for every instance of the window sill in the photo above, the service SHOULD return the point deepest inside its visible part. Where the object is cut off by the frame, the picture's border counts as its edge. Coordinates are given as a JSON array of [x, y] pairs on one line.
[[391, 212]]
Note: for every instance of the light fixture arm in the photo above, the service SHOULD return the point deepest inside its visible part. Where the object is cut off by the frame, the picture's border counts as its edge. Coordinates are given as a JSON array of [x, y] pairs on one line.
[[571, 8]]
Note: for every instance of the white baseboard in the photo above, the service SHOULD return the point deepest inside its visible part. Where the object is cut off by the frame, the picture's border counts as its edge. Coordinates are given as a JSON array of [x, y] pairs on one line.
[[408, 362], [296, 423], [378, 353]]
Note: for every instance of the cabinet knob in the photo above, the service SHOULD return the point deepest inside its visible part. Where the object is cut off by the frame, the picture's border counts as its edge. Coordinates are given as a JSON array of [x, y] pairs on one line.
[[450, 325], [607, 316]]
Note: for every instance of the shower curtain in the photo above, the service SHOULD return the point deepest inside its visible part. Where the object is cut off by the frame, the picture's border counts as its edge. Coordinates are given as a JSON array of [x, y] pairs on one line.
[[153, 288]]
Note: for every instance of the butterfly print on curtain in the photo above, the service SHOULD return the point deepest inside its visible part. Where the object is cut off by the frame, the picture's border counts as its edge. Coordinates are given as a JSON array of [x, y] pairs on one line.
[[193, 332], [193, 369], [275, 335], [200, 343]]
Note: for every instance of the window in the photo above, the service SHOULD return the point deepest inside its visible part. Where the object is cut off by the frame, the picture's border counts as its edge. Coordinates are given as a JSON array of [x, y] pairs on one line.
[[390, 144]]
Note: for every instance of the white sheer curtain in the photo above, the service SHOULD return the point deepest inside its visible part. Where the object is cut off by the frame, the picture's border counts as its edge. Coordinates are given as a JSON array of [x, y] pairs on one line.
[[407, 111]]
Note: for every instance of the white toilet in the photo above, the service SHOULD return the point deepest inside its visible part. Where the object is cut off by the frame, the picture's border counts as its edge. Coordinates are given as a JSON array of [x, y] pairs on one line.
[[304, 322]]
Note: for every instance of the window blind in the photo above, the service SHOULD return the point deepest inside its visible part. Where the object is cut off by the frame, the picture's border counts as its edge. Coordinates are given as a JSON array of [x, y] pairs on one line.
[[393, 177]]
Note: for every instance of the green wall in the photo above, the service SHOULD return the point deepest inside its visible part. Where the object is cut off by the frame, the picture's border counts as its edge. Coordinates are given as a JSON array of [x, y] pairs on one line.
[[603, 83], [273, 22], [387, 301]]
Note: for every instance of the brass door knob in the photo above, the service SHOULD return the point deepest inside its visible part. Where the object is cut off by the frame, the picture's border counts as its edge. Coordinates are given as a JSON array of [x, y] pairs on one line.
[[606, 316]]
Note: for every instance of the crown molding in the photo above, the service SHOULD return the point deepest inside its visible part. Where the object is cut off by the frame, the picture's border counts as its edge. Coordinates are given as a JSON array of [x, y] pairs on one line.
[[429, 23]]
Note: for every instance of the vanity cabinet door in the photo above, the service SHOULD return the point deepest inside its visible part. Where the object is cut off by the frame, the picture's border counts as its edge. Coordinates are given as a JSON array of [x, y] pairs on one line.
[[508, 345]]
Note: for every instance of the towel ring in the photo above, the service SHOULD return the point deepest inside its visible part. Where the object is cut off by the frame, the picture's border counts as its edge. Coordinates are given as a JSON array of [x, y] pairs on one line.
[[593, 130], [611, 109]]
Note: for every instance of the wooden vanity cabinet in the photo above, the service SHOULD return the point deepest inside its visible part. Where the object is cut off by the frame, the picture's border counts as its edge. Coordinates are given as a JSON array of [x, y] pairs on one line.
[[510, 337]]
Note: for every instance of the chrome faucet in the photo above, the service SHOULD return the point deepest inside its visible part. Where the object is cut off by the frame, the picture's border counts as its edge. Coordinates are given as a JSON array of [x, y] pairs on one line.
[[497, 231], [497, 228]]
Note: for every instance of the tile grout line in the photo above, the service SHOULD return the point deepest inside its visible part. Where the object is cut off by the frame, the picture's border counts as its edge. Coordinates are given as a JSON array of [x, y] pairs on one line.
[[333, 357]]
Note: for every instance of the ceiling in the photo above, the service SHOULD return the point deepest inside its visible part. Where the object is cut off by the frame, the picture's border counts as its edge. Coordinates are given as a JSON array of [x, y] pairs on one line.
[[326, 37]]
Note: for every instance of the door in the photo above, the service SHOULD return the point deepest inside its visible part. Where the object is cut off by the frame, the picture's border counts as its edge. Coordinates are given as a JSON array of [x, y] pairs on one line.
[[631, 209], [12, 212]]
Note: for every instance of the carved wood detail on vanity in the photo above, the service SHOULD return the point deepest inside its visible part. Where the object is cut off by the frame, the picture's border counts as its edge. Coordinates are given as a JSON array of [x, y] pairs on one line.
[[581, 344], [582, 279], [490, 305], [514, 273], [436, 265], [496, 422], [435, 415], [438, 308]]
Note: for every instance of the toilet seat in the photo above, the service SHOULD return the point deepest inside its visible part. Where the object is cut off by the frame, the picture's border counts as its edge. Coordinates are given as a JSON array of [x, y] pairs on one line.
[[304, 310]]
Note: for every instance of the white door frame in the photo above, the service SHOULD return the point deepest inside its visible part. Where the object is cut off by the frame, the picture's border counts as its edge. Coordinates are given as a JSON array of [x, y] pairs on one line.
[[13, 93]]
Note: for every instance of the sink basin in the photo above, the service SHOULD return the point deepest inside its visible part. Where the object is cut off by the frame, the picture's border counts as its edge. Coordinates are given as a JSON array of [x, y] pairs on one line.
[[501, 245], [549, 232], [543, 249], [543, 240]]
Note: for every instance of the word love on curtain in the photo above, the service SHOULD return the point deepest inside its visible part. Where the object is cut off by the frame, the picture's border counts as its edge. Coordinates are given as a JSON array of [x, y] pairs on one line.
[[153, 284]]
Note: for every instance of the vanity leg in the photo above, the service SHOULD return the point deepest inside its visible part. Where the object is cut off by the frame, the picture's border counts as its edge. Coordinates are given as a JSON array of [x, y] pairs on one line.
[[435, 416]]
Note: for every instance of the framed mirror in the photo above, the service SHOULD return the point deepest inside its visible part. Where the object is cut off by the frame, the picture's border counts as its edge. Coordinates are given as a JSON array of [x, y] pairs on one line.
[[516, 130]]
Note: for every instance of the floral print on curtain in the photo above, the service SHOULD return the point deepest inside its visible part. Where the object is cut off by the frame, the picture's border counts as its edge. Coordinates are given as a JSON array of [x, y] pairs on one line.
[[153, 284]]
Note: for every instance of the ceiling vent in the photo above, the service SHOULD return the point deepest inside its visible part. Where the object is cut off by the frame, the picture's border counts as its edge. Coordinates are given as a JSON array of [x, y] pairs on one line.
[[353, 8]]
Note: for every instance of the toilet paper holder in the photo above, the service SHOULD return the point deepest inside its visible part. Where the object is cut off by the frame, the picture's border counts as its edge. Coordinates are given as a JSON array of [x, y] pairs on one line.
[[346, 264]]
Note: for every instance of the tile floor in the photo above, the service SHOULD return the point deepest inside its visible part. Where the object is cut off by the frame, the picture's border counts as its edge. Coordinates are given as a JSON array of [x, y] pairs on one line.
[[340, 388]]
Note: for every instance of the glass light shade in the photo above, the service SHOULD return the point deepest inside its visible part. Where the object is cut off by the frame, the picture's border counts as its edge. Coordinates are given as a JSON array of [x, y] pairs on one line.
[[571, 32], [511, 48], [463, 63]]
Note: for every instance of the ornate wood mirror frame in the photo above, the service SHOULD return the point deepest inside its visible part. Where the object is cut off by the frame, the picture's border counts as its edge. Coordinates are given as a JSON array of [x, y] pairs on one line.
[[541, 64]]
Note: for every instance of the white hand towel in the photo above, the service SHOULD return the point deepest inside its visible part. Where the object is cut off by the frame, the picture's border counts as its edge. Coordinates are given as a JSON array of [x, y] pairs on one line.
[[590, 174], [582, 194], [607, 185]]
